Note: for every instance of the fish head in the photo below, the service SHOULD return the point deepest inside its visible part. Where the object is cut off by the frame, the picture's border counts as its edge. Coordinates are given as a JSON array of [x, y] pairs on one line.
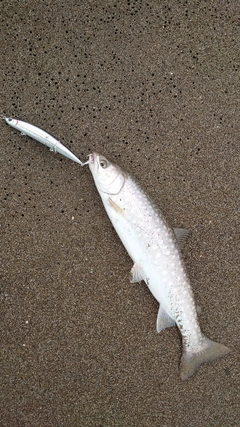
[[108, 177]]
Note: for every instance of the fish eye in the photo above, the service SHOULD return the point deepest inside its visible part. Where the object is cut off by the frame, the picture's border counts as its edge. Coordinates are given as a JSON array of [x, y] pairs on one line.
[[103, 163]]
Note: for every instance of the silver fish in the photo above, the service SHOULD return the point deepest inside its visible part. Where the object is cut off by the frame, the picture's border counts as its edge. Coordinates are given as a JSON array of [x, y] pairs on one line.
[[154, 249]]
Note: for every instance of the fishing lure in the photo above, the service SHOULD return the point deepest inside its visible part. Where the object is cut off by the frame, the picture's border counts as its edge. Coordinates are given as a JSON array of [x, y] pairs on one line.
[[45, 138]]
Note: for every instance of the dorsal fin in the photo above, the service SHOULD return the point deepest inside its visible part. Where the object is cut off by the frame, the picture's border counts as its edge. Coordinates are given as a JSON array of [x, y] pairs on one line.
[[181, 235]]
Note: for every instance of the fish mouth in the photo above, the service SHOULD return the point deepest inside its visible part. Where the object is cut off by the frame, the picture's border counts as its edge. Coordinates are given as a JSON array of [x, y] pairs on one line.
[[93, 162], [93, 157]]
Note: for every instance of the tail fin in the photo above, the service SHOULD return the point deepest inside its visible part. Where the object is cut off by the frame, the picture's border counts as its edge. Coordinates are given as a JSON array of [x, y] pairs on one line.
[[190, 362]]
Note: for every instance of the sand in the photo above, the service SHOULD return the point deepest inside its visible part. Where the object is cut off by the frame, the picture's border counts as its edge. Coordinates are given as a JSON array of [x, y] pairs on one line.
[[155, 85]]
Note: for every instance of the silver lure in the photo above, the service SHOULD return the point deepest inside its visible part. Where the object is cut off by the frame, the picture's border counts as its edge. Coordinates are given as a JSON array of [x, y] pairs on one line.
[[45, 138]]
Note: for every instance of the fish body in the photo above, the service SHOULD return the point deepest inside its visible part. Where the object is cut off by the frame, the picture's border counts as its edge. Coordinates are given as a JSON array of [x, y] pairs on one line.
[[154, 249], [41, 136]]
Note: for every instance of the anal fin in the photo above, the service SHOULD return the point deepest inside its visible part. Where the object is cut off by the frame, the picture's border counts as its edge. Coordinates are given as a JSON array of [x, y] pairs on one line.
[[163, 320]]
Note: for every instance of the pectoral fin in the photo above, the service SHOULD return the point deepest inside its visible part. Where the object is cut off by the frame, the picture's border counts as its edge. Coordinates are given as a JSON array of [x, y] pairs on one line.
[[116, 207], [181, 235], [163, 320]]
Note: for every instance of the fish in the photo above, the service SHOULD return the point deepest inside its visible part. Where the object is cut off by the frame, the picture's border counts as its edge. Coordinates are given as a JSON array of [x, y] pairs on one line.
[[41, 136], [155, 250]]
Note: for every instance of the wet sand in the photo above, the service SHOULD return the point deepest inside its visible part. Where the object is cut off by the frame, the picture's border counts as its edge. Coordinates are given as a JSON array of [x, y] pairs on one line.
[[155, 85]]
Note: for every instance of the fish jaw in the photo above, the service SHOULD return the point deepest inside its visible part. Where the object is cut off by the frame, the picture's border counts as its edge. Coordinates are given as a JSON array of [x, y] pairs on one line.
[[92, 158]]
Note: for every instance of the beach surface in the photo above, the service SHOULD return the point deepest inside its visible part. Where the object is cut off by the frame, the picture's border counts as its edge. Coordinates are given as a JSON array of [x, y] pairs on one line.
[[155, 86]]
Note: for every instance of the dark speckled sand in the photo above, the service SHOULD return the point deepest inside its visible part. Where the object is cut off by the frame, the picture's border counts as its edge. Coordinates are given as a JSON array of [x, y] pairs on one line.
[[156, 86]]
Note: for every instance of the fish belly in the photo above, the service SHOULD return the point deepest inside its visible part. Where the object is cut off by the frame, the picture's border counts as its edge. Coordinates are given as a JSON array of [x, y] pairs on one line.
[[152, 247]]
